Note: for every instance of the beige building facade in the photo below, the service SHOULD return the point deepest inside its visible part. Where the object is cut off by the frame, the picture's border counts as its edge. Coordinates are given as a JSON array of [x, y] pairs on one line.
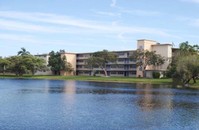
[[125, 66], [164, 50], [71, 58]]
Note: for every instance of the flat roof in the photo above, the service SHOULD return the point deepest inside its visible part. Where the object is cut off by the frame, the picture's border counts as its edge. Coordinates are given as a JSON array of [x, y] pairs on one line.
[[68, 53], [162, 45], [41, 54], [109, 51], [146, 40]]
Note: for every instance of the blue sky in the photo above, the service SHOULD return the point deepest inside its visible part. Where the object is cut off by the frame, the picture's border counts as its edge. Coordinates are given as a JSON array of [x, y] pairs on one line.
[[92, 25]]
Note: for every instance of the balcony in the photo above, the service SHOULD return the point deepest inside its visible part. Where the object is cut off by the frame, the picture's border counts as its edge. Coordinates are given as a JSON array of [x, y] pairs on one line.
[[81, 63], [83, 69], [123, 56], [84, 57]]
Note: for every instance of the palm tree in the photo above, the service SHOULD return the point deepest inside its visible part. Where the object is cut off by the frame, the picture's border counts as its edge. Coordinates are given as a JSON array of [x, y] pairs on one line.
[[23, 52]]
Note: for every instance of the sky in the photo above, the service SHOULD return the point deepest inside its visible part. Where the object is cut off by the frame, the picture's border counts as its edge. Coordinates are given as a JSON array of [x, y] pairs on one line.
[[79, 26]]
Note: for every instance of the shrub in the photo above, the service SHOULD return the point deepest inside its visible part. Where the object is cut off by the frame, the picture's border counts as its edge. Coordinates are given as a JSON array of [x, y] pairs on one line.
[[156, 75]]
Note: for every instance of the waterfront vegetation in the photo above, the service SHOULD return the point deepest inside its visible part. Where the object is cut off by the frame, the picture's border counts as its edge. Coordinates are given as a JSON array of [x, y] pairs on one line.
[[101, 79]]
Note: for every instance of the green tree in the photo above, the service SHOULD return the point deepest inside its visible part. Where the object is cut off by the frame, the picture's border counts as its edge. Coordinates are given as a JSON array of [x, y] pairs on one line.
[[25, 63], [23, 51], [187, 68], [101, 59], [146, 58], [17, 65], [58, 63], [3, 65], [184, 65], [34, 64]]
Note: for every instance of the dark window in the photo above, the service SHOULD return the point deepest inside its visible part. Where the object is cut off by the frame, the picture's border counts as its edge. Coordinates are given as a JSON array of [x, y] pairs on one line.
[[132, 72], [120, 72], [133, 66], [113, 73]]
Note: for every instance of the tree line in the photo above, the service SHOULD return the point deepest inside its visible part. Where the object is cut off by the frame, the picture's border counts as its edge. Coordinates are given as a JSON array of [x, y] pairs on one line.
[[25, 63]]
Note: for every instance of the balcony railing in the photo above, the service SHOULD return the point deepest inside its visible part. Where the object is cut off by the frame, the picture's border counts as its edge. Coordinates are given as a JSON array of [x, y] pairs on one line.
[[83, 57]]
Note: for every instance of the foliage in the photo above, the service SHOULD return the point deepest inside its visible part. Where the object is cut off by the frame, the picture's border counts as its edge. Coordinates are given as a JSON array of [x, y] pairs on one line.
[[146, 58], [185, 64], [156, 75], [25, 64], [23, 52], [101, 59], [58, 63], [187, 49], [187, 68], [3, 65]]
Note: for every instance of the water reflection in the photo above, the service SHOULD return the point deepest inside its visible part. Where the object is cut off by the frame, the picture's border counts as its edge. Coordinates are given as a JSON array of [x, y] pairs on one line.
[[150, 100], [70, 91], [51, 104]]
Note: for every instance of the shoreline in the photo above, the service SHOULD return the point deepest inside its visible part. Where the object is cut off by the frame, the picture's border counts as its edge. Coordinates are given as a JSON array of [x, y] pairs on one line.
[[98, 79]]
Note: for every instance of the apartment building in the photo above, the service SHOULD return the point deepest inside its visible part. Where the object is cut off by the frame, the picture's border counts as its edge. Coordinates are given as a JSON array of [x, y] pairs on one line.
[[124, 66], [45, 57]]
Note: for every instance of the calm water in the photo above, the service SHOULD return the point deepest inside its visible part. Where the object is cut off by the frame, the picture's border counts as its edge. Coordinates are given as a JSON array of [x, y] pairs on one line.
[[48, 104]]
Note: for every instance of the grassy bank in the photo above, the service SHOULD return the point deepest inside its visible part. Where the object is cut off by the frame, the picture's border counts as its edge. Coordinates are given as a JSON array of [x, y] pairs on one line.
[[91, 78], [99, 79]]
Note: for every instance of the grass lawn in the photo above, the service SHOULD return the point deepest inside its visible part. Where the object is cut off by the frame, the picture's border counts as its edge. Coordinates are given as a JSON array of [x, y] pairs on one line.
[[100, 79], [91, 78]]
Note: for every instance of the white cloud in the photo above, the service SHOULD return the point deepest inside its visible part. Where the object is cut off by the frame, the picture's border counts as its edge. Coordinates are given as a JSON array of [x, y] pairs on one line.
[[141, 12], [189, 20], [26, 27], [192, 1], [113, 3], [108, 13], [54, 23], [27, 39]]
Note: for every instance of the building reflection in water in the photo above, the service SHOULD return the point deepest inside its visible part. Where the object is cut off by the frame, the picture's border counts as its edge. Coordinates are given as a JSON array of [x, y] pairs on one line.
[[69, 91], [46, 86], [150, 98]]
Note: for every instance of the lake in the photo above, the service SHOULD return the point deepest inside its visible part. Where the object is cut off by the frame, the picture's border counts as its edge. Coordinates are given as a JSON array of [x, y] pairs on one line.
[[78, 105]]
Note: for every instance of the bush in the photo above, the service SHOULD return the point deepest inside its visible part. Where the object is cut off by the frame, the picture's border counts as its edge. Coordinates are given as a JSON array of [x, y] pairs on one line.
[[156, 75]]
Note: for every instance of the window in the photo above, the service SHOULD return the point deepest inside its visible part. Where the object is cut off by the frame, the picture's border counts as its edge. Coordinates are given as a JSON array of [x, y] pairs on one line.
[[120, 66], [113, 73], [141, 47], [132, 72], [113, 66], [120, 60], [133, 66], [132, 60], [79, 66], [121, 53], [80, 55], [80, 60], [120, 72]]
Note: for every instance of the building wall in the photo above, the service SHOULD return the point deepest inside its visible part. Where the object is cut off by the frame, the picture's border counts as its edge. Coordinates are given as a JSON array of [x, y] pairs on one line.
[[145, 44], [164, 50], [71, 58]]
